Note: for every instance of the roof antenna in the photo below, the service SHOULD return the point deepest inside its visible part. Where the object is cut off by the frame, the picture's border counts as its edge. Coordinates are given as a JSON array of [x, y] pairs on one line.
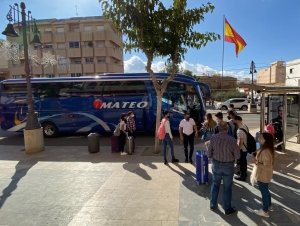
[[76, 10]]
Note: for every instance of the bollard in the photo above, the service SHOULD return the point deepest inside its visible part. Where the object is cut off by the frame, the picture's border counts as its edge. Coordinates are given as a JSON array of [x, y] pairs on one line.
[[93, 143]]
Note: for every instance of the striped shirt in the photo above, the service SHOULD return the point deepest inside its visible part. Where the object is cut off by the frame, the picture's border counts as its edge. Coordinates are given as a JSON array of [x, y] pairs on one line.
[[131, 123], [223, 148]]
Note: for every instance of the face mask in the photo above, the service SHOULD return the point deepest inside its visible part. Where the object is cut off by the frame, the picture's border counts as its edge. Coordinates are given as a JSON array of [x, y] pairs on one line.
[[132, 115], [168, 116], [261, 141], [228, 118], [187, 118], [229, 109]]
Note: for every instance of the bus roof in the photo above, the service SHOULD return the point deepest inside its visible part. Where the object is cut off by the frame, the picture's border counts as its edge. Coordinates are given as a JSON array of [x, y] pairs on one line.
[[107, 77]]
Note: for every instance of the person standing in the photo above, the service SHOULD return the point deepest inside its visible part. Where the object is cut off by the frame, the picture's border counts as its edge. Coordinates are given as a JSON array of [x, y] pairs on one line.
[[168, 140], [242, 143], [232, 125], [188, 130], [223, 151], [264, 161], [123, 134], [131, 128], [219, 119], [231, 108], [208, 127]]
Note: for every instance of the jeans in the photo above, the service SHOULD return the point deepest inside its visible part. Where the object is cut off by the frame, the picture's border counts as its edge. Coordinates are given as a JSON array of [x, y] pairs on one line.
[[188, 140], [225, 171], [242, 162], [122, 141], [167, 141], [266, 195]]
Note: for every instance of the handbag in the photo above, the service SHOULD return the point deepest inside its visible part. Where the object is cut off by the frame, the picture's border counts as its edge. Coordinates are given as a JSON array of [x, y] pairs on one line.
[[253, 175]]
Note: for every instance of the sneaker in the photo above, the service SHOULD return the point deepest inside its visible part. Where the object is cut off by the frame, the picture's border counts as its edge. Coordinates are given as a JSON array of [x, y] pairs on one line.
[[261, 213], [233, 211], [175, 160], [191, 161], [165, 161], [271, 208], [213, 208], [186, 160], [240, 178], [124, 153]]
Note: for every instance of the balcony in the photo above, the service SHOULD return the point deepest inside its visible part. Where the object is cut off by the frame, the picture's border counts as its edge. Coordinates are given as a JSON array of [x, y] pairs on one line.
[[115, 68], [86, 36], [87, 52], [76, 68], [49, 70], [60, 52], [100, 68], [73, 36], [100, 51], [99, 35], [112, 36], [114, 53], [88, 68], [46, 37], [59, 37], [74, 52], [17, 69], [36, 70]]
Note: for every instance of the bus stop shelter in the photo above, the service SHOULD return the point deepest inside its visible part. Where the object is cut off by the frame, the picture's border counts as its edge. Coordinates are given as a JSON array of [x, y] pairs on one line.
[[290, 98]]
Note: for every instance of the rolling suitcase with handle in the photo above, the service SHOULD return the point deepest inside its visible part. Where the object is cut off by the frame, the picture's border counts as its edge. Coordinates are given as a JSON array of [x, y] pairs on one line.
[[114, 144], [201, 167], [130, 145]]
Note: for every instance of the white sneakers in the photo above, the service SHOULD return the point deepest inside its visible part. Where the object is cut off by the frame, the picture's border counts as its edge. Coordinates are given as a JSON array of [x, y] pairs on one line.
[[261, 213], [124, 153]]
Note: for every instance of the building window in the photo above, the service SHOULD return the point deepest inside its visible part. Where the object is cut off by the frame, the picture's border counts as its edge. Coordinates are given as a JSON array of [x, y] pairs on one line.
[[60, 30], [88, 28], [89, 60], [291, 70], [17, 76], [74, 44], [76, 60], [101, 60], [37, 47], [100, 44], [48, 46], [61, 46], [62, 75], [76, 74], [50, 76], [100, 28], [88, 44], [48, 30]]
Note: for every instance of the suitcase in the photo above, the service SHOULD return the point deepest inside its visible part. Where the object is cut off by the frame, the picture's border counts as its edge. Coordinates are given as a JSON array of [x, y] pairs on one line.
[[201, 167], [114, 144], [130, 145]]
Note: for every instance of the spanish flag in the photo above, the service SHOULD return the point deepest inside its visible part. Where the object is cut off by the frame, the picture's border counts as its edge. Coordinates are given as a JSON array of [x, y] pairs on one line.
[[232, 36]]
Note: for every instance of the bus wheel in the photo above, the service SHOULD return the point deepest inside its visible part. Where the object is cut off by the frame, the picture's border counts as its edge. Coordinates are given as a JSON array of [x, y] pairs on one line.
[[50, 129]]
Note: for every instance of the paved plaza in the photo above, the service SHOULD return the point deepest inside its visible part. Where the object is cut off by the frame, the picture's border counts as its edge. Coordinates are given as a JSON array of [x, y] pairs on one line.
[[69, 186]]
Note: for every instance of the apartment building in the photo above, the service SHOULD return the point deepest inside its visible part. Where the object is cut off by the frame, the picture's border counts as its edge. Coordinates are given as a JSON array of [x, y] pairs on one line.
[[275, 74], [4, 73], [215, 82], [293, 73], [92, 45]]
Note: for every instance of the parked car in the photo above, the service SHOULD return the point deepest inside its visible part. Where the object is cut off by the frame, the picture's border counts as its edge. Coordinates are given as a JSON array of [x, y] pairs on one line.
[[239, 103]]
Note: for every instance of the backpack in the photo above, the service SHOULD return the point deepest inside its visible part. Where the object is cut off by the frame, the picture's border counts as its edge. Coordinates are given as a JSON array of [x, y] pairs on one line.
[[161, 130], [117, 130], [251, 143]]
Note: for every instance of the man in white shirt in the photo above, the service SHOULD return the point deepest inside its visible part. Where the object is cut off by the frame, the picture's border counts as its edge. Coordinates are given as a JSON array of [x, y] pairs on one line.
[[187, 131]]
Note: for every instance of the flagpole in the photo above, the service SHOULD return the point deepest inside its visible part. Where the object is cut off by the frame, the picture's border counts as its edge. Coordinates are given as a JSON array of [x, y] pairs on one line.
[[222, 60]]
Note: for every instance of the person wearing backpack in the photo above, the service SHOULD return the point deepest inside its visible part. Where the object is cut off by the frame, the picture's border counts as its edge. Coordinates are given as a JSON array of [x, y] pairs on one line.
[[242, 143], [232, 125], [123, 134], [168, 138]]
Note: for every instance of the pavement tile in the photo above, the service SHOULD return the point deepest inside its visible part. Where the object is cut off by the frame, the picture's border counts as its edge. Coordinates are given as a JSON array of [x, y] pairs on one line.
[[130, 213], [170, 223]]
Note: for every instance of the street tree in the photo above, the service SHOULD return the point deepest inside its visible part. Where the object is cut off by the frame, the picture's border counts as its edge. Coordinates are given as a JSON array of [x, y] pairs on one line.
[[159, 31]]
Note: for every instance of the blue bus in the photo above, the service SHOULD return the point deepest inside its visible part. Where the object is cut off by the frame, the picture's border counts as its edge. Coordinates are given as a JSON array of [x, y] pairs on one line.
[[94, 104]]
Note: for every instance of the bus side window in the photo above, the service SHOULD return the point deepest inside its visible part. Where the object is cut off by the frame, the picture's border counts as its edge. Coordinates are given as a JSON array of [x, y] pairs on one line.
[[112, 88]]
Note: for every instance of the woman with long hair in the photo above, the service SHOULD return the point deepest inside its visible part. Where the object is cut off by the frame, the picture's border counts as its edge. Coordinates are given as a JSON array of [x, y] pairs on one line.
[[208, 127], [265, 159], [168, 140], [123, 133]]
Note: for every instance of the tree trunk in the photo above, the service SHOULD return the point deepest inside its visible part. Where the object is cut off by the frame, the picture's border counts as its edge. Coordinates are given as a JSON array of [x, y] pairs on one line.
[[158, 118]]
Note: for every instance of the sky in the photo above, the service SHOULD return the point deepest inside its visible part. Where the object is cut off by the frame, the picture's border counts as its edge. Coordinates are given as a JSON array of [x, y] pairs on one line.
[[269, 27]]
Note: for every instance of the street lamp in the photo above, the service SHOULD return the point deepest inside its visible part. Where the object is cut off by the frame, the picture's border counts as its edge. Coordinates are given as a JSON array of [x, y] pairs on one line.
[[33, 133], [252, 71]]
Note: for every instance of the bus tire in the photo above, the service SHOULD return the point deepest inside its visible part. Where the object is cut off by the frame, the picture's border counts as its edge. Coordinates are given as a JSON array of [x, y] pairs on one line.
[[50, 129]]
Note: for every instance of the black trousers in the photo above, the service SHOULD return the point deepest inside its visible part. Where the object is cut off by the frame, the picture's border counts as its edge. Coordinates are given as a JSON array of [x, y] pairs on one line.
[[122, 141], [188, 140], [242, 162]]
